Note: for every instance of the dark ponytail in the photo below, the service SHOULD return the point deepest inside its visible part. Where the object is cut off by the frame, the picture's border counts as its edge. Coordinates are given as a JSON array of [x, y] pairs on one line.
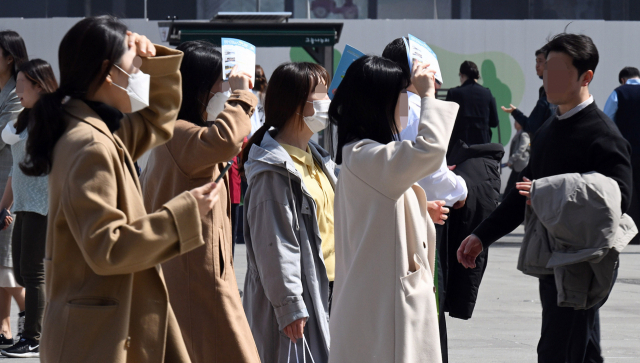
[[81, 56], [286, 95]]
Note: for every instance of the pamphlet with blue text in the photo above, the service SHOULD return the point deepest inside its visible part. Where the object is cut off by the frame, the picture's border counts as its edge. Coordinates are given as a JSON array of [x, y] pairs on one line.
[[236, 52], [419, 51], [349, 55]]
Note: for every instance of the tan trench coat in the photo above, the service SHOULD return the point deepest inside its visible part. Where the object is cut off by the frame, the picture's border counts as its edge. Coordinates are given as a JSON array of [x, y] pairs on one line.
[[384, 302], [106, 296], [202, 284]]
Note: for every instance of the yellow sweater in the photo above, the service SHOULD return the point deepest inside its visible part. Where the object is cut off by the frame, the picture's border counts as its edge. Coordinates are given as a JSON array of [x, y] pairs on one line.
[[322, 193]]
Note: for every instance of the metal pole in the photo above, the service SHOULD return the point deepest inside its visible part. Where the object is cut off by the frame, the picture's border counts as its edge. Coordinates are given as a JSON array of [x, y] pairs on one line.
[[435, 9], [145, 9], [308, 10], [258, 6]]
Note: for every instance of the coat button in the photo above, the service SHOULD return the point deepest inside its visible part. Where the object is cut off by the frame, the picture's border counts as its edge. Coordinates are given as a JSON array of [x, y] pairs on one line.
[[424, 244], [128, 343]]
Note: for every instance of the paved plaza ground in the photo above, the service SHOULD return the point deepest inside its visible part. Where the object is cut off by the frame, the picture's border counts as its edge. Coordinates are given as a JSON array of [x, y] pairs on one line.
[[506, 322]]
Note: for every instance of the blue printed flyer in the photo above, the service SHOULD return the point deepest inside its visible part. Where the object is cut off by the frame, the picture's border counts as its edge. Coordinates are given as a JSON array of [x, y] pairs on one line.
[[419, 51], [349, 55], [236, 52]]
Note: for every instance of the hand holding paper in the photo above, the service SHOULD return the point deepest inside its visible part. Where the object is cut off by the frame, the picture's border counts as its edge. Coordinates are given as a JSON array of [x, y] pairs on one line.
[[239, 80], [423, 79]]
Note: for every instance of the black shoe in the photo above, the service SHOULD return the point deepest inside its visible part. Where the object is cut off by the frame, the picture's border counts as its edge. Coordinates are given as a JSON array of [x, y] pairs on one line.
[[25, 348], [5, 342]]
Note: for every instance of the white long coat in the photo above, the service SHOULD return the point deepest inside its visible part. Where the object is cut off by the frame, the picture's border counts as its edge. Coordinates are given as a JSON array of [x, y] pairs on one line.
[[384, 305]]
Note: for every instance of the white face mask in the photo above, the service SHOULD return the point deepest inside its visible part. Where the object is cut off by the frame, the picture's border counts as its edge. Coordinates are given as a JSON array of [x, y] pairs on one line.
[[216, 104], [138, 89], [320, 118]]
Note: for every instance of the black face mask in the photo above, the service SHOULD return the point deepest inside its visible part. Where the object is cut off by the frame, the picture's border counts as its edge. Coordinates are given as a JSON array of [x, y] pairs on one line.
[[541, 77]]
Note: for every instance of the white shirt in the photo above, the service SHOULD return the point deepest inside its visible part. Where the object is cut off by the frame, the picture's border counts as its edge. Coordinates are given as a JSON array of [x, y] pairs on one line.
[[576, 109], [443, 184]]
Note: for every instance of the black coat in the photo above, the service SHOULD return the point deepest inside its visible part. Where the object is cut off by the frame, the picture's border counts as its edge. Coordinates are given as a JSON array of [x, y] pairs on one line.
[[479, 166], [477, 115]]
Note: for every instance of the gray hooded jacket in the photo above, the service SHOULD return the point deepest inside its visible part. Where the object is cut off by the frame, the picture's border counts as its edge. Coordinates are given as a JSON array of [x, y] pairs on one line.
[[286, 277], [575, 230]]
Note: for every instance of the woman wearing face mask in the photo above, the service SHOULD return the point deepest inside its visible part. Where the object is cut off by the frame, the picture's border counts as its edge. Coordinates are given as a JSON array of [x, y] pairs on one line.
[[202, 283], [385, 302], [29, 196], [288, 218], [119, 96], [12, 53]]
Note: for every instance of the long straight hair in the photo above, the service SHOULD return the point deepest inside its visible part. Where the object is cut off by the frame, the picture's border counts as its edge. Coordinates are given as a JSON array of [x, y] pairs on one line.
[[12, 44], [201, 68], [364, 104], [286, 96], [38, 72], [81, 55]]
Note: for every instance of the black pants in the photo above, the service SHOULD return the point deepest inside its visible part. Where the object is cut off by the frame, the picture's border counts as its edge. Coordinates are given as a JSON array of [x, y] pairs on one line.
[[234, 227], [442, 271], [568, 335], [28, 247]]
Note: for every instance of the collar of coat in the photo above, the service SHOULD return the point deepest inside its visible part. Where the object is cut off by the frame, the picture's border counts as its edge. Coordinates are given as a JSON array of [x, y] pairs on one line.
[[7, 90], [80, 110], [271, 156]]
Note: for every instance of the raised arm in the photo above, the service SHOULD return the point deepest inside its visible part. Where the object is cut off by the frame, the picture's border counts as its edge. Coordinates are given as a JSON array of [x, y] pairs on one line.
[[110, 242], [197, 148], [153, 125], [391, 169]]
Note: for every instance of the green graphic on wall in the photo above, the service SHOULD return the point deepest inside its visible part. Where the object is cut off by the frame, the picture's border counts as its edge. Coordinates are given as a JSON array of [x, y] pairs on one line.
[[499, 72]]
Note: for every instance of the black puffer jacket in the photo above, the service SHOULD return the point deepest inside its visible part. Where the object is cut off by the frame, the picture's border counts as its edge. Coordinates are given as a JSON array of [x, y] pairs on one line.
[[479, 166]]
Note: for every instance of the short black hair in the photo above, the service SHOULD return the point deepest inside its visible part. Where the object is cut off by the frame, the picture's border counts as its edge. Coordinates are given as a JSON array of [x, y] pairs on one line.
[[470, 69], [201, 68], [397, 52], [628, 72], [365, 102], [541, 51], [577, 46]]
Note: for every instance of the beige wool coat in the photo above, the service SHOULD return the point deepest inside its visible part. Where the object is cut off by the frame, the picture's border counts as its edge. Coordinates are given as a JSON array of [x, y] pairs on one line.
[[106, 296], [384, 303], [202, 283]]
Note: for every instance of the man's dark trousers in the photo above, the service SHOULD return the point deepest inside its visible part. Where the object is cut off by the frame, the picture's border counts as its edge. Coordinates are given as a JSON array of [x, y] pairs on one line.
[[568, 335]]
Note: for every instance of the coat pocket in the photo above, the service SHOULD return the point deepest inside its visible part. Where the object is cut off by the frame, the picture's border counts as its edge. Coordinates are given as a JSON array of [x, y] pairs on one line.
[[417, 281], [222, 257], [101, 322]]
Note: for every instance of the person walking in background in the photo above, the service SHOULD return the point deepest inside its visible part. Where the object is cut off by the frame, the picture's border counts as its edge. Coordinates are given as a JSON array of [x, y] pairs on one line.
[[12, 54], [518, 155], [259, 89], [384, 308], [478, 112], [106, 297], [202, 283], [578, 139], [29, 196], [543, 109], [443, 188], [288, 219], [623, 107]]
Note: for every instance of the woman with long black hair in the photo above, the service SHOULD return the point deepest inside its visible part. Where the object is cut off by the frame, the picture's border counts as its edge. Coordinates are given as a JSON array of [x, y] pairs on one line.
[[119, 96], [385, 303], [29, 196], [209, 132], [12, 53]]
